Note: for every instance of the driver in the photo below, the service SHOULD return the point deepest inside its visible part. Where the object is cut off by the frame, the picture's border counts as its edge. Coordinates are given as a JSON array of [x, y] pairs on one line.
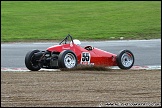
[[77, 42]]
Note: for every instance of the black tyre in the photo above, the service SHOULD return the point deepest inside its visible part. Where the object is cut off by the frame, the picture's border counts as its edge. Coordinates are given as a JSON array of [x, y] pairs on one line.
[[125, 59], [67, 59], [31, 61]]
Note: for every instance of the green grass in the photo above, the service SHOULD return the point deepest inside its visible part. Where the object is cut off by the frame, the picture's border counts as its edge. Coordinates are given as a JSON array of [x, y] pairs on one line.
[[84, 20]]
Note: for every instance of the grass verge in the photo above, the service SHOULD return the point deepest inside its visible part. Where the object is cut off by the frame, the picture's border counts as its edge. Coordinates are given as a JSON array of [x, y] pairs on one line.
[[84, 20]]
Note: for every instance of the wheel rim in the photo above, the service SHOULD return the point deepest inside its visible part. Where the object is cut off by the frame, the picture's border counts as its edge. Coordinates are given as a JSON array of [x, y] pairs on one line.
[[69, 60], [127, 59]]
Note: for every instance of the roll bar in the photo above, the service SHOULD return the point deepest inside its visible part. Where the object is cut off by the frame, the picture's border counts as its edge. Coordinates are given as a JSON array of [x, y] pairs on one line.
[[66, 38]]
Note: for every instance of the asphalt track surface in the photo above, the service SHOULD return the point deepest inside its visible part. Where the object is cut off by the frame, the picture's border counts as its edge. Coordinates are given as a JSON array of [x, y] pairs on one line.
[[146, 52]]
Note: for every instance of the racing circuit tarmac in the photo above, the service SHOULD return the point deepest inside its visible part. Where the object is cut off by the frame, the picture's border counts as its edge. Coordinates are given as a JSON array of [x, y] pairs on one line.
[[147, 52]]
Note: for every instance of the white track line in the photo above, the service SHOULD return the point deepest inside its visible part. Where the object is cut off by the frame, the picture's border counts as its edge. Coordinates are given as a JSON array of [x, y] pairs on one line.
[[113, 67], [141, 67], [25, 69]]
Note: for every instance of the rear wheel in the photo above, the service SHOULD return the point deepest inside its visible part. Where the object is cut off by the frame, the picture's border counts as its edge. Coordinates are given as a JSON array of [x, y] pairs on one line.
[[125, 59], [31, 61], [67, 59]]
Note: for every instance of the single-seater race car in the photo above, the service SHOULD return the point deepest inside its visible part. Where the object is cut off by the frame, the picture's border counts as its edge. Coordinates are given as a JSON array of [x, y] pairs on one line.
[[68, 54]]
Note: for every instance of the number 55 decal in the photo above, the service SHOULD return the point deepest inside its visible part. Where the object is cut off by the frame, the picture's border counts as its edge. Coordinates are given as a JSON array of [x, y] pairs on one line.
[[85, 58]]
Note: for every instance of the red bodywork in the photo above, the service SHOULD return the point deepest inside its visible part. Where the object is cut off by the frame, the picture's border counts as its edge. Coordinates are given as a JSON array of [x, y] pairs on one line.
[[93, 57]]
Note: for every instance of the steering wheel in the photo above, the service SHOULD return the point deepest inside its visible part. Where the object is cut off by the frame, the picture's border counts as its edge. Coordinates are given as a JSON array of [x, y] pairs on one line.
[[89, 48]]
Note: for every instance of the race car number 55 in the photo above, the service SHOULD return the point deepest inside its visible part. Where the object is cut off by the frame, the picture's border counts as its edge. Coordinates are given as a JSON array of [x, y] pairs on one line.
[[85, 58]]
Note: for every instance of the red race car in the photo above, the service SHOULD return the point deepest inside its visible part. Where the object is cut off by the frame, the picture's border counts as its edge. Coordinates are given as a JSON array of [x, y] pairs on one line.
[[69, 54]]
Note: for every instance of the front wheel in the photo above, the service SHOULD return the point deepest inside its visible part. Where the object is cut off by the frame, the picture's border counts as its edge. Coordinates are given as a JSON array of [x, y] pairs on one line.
[[125, 59], [31, 61], [67, 59]]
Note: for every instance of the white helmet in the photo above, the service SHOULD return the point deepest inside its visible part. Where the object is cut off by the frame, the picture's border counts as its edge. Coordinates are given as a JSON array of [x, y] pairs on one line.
[[76, 41]]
